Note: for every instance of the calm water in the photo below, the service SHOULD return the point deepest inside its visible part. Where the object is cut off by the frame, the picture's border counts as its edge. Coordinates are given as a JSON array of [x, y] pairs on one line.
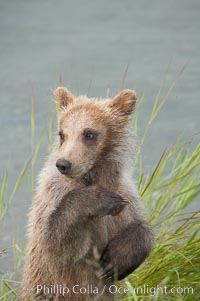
[[89, 44]]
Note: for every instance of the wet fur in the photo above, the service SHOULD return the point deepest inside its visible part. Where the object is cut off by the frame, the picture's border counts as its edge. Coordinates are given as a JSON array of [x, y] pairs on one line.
[[82, 229]]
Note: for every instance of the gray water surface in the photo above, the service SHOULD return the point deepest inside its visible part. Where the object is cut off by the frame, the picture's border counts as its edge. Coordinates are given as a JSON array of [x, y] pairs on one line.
[[89, 44]]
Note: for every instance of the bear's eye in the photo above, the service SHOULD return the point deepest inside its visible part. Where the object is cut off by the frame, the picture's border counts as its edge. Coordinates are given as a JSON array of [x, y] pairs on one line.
[[89, 134], [62, 137]]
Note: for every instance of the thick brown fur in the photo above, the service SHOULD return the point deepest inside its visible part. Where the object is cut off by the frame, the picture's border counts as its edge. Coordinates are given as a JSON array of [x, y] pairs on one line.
[[89, 226]]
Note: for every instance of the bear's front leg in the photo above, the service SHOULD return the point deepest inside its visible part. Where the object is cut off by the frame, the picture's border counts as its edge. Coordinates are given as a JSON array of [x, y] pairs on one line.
[[67, 228], [125, 252]]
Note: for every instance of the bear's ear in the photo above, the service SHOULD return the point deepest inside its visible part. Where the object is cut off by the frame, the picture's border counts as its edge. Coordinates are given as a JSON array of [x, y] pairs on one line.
[[124, 102], [63, 97]]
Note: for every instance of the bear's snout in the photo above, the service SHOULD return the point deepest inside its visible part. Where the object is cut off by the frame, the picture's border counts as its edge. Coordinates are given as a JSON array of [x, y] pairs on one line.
[[64, 166]]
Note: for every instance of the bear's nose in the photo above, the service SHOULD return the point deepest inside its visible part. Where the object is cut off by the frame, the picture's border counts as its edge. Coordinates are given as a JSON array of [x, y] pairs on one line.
[[64, 166]]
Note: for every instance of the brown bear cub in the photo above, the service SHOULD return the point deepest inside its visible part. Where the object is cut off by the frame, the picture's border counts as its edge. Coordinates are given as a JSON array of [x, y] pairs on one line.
[[87, 226]]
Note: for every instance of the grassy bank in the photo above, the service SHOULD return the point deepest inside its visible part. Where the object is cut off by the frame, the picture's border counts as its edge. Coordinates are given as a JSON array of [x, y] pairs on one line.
[[172, 272]]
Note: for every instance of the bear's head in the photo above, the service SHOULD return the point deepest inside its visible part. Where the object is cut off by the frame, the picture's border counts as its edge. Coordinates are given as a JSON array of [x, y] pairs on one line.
[[92, 132]]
